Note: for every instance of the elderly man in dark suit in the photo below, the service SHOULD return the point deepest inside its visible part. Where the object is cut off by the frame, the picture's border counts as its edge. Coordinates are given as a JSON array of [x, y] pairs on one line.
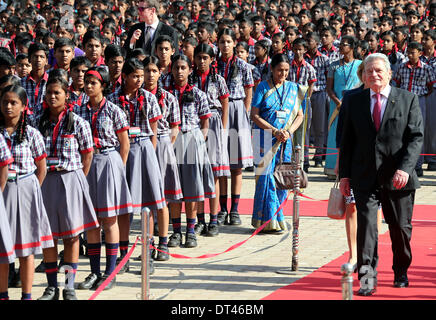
[[381, 141], [144, 34]]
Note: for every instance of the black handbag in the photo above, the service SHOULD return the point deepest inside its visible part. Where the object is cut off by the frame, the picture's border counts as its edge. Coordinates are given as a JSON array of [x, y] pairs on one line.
[[284, 174]]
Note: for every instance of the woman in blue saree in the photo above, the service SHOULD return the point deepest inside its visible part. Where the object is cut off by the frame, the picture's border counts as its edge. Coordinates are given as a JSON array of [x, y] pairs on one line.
[[276, 112], [342, 76]]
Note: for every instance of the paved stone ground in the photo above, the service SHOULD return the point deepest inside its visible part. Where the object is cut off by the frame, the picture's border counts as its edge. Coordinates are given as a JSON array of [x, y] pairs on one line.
[[249, 272]]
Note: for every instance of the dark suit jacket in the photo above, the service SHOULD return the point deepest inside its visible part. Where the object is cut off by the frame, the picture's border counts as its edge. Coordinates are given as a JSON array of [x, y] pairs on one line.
[[162, 29], [344, 105], [370, 158]]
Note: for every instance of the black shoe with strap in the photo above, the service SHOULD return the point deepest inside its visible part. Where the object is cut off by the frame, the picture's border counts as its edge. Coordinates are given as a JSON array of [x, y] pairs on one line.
[[175, 240], [234, 219], [90, 282], [162, 253], [191, 240], [212, 230], [69, 294], [50, 293], [103, 278]]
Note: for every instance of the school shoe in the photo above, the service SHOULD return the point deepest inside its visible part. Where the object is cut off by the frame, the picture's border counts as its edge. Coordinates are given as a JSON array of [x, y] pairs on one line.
[[69, 294], [103, 278], [233, 219], [191, 240], [125, 267], [222, 217], [40, 268], [162, 253], [212, 230], [175, 240], [90, 282], [50, 293], [200, 228]]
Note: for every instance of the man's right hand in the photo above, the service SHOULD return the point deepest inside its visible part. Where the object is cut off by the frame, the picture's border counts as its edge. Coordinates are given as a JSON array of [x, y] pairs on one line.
[[135, 36], [344, 187]]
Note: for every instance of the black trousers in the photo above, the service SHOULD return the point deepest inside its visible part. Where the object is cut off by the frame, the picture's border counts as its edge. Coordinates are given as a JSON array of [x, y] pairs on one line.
[[397, 208]]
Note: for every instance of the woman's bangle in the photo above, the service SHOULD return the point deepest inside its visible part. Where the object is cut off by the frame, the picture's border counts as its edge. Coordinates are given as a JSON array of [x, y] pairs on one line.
[[274, 131]]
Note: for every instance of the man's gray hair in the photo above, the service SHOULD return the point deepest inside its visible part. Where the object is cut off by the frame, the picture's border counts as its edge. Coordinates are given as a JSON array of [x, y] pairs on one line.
[[152, 3], [375, 56]]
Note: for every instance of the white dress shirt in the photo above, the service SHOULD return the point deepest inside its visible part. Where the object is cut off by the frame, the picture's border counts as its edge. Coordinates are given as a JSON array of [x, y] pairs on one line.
[[384, 94], [153, 28]]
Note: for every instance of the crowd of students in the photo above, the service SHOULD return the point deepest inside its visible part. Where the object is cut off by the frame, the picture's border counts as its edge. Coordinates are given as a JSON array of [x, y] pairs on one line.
[[92, 132]]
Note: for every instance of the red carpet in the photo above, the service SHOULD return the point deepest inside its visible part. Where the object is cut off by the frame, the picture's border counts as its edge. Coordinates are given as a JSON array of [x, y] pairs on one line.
[[325, 283]]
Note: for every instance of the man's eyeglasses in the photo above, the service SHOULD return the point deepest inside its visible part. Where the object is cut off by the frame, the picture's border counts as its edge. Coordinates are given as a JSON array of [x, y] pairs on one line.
[[344, 44], [141, 9]]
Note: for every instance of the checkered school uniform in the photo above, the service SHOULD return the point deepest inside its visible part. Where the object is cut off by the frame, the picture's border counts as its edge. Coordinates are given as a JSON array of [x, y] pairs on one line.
[[79, 99], [144, 103], [303, 74], [263, 69], [239, 142], [67, 146], [333, 54], [65, 189], [215, 89], [320, 63], [251, 55], [415, 79], [107, 166], [170, 112], [193, 112], [431, 61], [243, 79], [7, 252], [35, 91], [27, 152], [106, 122], [396, 59]]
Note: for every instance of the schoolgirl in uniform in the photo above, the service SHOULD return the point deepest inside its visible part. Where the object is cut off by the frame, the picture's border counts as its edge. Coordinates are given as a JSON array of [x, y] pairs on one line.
[[30, 227], [109, 127], [142, 170], [242, 52], [240, 83], [7, 252], [262, 61], [69, 146], [193, 162], [167, 131], [214, 85]]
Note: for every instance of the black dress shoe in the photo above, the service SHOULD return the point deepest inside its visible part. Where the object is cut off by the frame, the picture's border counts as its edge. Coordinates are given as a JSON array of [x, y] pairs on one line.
[[50, 293], [175, 240], [401, 281], [234, 219], [162, 253], [191, 240], [69, 294], [221, 218], [90, 282], [368, 286], [103, 278], [200, 228], [212, 230], [125, 267]]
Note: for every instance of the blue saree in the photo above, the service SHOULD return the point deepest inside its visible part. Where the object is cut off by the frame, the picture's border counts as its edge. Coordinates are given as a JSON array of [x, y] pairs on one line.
[[278, 107], [345, 78]]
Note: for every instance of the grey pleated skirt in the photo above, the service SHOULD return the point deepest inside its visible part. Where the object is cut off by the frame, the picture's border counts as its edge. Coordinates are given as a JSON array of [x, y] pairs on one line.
[[217, 146], [195, 171], [30, 226], [239, 145], [143, 176], [68, 203], [168, 169], [108, 186], [7, 253]]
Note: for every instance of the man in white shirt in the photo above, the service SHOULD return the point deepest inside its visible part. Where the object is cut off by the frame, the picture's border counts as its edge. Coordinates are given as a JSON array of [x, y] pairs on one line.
[[382, 137]]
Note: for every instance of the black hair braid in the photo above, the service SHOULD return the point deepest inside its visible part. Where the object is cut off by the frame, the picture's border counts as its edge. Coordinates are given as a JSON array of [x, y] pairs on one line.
[[69, 123], [235, 70], [21, 128], [188, 96], [159, 94], [44, 123], [213, 72]]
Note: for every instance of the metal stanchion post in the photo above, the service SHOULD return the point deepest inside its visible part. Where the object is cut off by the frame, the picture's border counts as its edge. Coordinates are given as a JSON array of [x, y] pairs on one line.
[[145, 256], [347, 281], [296, 210]]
